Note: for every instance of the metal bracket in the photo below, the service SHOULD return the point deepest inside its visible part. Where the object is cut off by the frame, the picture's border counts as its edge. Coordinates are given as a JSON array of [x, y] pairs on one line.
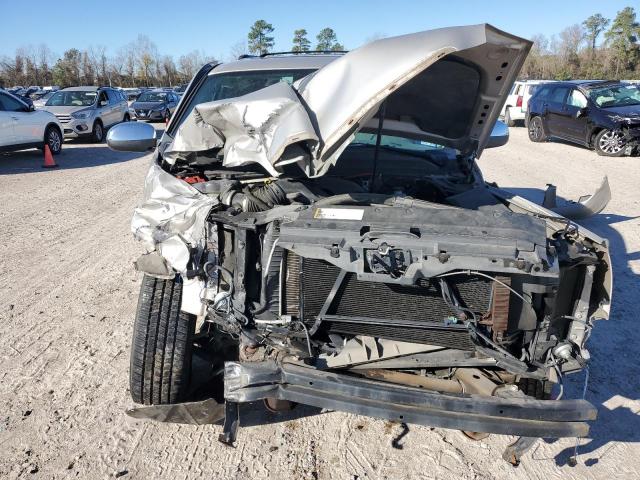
[[579, 325], [231, 423], [514, 452]]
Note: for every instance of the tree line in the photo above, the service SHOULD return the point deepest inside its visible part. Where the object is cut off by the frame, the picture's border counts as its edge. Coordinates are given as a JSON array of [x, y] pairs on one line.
[[575, 53], [139, 63]]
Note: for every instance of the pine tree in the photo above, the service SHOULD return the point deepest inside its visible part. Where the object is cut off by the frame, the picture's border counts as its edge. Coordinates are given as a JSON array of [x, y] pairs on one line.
[[259, 40]]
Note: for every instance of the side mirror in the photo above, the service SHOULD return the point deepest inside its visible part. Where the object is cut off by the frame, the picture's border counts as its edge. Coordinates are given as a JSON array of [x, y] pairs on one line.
[[499, 135], [582, 112], [132, 137]]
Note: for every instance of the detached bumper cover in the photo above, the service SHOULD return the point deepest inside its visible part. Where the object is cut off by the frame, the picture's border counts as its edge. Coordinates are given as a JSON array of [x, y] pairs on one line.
[[247, 382]]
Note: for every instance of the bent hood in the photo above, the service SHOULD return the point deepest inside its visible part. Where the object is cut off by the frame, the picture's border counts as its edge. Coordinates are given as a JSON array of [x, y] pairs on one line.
[[446, 86]]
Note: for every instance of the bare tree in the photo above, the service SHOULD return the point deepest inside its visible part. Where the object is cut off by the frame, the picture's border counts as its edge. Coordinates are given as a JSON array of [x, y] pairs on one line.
[[237, 49]]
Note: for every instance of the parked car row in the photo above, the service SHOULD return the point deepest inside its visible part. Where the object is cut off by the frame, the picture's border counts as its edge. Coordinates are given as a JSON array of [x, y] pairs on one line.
[[34, 116]]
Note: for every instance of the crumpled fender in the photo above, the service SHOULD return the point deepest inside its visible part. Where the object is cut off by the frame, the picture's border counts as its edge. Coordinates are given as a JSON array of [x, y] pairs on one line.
[[171, 222], [171, 217]]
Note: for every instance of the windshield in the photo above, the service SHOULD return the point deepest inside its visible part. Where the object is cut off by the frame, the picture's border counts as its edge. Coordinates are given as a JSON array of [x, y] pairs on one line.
[[236, 84], [152, 97], [615, 95], [72, 98], [408, 145]]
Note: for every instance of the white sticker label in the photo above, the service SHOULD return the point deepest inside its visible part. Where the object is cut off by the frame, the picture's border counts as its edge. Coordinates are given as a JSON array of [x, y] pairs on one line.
[[339, 213]]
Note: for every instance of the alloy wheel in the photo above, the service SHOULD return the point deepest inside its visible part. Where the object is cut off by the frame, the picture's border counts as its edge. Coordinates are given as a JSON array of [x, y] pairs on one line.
[[611, 142], [98, 128], [535, 129], [54, 141]]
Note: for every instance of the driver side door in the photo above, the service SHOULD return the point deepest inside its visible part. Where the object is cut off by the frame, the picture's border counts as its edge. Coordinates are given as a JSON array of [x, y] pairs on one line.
[[575, 122], [105, 109]]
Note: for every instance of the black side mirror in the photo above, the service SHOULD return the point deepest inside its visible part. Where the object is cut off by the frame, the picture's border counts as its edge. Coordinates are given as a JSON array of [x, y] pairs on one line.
[[582, 112]]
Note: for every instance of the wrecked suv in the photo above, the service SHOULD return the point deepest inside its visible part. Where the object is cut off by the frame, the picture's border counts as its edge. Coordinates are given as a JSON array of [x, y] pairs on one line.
[[319, 232]]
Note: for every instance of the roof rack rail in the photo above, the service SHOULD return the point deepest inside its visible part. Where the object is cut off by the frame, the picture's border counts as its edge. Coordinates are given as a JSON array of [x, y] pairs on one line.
[[309, 52]]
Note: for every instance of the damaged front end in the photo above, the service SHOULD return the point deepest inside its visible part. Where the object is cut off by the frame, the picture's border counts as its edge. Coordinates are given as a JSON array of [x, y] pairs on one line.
[[359, 277]]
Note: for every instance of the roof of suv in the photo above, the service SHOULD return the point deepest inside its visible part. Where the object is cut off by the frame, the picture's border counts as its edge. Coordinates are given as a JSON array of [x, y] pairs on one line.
[[311, 61], [82, 89], [583, 83]]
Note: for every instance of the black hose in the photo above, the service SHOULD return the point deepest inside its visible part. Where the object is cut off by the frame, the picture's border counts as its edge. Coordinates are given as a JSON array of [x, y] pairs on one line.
[[265, 197]]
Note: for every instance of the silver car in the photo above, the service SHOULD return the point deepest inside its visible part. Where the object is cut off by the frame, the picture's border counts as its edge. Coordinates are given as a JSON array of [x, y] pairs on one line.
[[88, 112], [320, 232]]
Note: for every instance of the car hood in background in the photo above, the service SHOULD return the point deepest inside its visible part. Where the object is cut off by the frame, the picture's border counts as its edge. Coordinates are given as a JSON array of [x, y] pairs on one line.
[[445, 86], [64, 110], [147, 105]]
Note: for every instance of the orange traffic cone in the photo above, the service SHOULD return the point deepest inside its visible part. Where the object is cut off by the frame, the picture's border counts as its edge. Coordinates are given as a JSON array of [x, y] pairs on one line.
[[49, 162]]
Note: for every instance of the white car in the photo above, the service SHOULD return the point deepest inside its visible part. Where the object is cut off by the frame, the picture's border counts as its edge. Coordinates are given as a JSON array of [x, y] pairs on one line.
[[515, 108], [22, 127]]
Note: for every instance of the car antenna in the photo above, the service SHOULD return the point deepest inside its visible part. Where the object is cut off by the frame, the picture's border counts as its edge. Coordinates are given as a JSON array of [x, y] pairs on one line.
[[381, 113]]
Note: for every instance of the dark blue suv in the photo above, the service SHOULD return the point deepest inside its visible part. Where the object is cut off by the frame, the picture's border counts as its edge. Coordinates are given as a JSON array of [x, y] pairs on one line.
[[603, 115]]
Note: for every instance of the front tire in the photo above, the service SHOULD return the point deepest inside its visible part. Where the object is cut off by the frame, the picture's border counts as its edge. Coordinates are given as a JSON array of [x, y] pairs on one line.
[[609, 143], [162, 344], [536, 131], [97, 134], [53, 138]]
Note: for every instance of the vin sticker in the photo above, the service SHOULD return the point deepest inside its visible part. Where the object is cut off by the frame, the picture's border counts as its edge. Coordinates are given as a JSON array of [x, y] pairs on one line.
[[338, 213]]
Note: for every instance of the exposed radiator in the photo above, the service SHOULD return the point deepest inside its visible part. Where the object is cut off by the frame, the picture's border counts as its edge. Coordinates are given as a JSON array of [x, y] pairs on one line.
[[399, 312]]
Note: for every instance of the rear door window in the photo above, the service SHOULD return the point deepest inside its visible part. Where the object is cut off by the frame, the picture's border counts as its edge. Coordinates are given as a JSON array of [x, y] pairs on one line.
[[113, 97], [541, 93], [559, 94]]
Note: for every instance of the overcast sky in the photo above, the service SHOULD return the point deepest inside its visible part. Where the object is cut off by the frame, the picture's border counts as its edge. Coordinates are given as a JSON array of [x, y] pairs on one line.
[[177, 27]]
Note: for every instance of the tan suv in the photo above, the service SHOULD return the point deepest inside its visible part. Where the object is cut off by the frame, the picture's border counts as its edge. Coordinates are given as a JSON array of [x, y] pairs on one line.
[[88, 111]]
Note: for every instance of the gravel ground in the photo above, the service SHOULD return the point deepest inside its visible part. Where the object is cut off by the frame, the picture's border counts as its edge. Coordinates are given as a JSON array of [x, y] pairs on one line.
[[67, 298]]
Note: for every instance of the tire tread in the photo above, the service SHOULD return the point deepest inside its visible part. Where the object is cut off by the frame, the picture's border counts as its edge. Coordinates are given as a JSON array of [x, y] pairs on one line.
[[161, 344]]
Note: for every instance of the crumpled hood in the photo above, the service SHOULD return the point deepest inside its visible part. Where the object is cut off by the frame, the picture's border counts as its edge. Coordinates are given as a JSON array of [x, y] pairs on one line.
[[631, 112], [446, 85]]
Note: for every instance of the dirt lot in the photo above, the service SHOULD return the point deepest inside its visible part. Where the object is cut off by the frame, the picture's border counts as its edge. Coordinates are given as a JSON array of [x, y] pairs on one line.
[[67, 297]]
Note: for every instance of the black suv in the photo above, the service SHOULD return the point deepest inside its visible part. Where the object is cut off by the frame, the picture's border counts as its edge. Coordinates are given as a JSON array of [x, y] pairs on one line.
[[603, 115]]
